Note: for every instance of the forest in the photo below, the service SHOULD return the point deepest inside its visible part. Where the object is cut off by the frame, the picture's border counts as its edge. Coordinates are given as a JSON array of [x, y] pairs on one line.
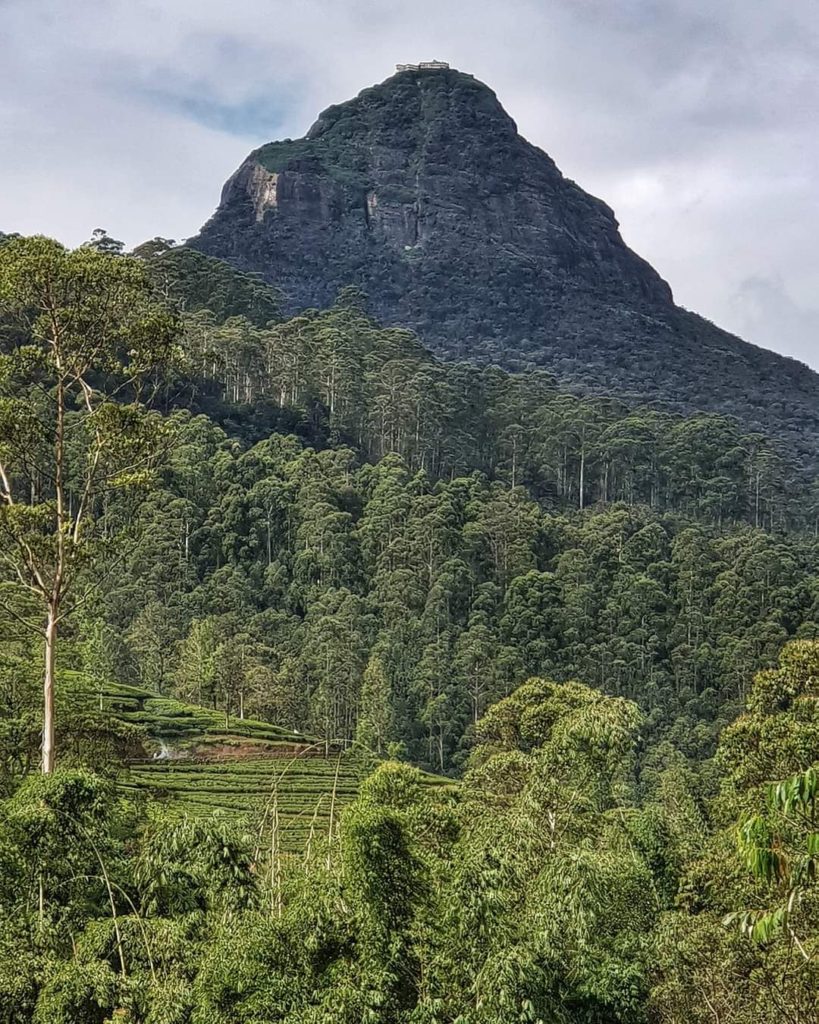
[[592, 624]]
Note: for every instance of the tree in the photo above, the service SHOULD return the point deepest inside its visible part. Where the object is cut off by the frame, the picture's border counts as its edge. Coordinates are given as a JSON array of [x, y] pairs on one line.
[[549, 891], [73, 427], [196, 673], [155, 246], [781, 848], [375, 715], [153, 637], [101, 241], [473, 662]]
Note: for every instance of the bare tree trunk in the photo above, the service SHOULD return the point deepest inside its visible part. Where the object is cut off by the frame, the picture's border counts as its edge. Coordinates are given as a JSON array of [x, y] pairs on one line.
[[582, 476], [53, 599], [48, 693]]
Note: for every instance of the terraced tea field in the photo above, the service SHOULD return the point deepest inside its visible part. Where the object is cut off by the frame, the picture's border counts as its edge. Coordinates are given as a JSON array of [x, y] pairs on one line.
[[196, 762], [165, 720], [300, 788]]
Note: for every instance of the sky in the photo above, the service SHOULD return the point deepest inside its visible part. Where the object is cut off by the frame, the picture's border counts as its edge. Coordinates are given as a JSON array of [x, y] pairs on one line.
[[694, 119]]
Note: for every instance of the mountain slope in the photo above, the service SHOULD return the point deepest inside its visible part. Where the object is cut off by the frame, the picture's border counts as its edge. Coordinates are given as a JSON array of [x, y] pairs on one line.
[[421, 191]]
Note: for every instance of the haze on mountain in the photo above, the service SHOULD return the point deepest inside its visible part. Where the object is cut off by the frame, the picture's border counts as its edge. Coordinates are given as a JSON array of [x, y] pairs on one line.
[[422, 192]]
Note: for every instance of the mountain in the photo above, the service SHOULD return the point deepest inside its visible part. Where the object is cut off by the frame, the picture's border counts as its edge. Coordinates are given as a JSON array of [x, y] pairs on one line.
[[422, 192]]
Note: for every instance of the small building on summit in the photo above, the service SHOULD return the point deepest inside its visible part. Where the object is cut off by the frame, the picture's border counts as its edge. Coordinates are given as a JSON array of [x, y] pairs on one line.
[[425, 65]]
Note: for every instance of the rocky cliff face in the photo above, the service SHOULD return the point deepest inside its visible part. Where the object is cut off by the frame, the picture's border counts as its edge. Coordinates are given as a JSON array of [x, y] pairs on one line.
[[421, 191]]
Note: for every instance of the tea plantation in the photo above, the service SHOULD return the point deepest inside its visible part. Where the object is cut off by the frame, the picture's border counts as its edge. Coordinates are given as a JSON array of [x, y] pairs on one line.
[[191, 758]]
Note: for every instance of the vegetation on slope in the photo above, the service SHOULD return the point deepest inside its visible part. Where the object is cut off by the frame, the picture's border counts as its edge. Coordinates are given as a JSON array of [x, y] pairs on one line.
[[197, 760], [402, 588], [195, 281]]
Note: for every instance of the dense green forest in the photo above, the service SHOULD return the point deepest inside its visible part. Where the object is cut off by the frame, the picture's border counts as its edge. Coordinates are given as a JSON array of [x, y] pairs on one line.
[[560, 602]]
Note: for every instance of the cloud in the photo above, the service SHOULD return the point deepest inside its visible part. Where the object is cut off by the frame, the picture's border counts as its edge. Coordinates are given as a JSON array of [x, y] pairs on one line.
[[767, 312], [694, 121]]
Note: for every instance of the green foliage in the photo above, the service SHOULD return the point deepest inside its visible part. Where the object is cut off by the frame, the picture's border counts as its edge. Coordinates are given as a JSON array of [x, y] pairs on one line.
[[546, 891], [243, 788], [85, 336], [431, 578], [195, 764], [196, 282], [375, 722], [751, 897], [347, 600], [339, 375]]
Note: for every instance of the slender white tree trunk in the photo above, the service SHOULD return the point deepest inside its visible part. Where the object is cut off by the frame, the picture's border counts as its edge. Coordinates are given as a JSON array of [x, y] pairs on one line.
[[582, 477], [48, 693]]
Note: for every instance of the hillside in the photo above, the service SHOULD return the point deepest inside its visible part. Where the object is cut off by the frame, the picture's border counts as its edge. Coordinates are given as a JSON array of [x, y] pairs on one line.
[[421, 191]]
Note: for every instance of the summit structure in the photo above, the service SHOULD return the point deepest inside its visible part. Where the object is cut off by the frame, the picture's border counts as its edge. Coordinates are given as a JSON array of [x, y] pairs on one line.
[[425, 65], [421, 191]]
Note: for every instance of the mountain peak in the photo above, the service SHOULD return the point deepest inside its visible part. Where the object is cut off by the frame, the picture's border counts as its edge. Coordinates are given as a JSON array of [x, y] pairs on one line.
[[421, 191], [419, 93], [400, 114], [404, 175]]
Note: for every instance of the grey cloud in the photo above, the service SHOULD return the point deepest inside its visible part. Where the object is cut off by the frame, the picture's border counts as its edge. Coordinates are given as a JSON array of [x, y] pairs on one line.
[[768, 312], [695, 121]]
